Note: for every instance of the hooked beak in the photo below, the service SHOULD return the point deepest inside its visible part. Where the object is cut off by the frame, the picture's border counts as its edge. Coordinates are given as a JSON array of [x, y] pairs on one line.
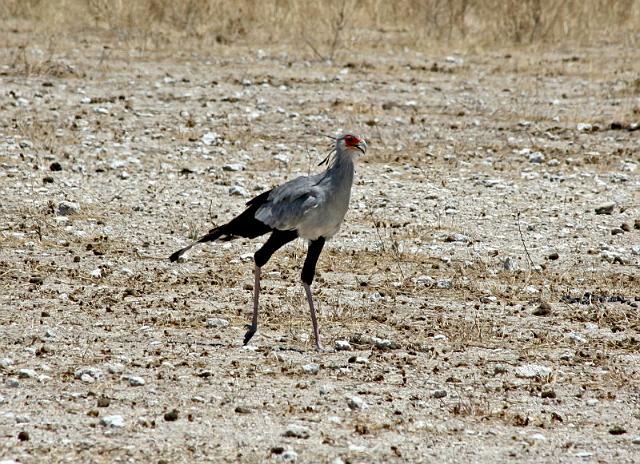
[[362, 146]]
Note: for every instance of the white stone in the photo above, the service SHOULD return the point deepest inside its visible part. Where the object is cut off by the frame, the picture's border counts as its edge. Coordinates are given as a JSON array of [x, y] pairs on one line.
[[355, 402], [217, 322], [134, 380], [529, 371], [343, 345], [66, 208], [311, 368], [238, 190], [92, 372], [115, 421]]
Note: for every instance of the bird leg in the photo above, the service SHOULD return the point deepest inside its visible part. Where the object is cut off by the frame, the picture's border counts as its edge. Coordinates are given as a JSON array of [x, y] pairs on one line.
[[276, 240], [308, 273], [256, 295]]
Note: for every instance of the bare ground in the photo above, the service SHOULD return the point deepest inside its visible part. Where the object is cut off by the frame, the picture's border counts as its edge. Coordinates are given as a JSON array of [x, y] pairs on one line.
[[505, 309]]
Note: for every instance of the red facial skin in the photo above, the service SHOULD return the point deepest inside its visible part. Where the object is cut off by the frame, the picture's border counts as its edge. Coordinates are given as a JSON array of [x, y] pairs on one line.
[[351, 141]]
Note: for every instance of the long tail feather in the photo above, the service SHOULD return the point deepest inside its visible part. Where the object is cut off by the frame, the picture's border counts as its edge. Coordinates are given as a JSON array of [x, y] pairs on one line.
[[213, 235]]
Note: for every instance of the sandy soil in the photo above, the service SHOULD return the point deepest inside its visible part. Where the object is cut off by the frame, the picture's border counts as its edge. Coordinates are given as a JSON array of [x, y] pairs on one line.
[[492, 314]]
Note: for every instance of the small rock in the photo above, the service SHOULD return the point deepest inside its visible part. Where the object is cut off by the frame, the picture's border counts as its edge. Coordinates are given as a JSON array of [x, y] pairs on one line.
[[605, 208], [444, 283], [544, 309], [584, 127], [425, 280], [112, 421], [625, 227], [217, 322], [23, 436], [536, 157], [233, 167], [103, 402], [12, 383], [592, 402], [86, 378], [171, 416], [636, 440], [96, 273], [93, 372], [457, 238], [510, 264], [114, 368], [209, 138], [289, 456], [537, 437], [383, 343], [439, 394], [548, 394], [6, 362], [553, 256], [297, 431], [355, 402], [101, 110], [238, 190], [134, 380], [311, 368], [67, 208], [616, 231], [583, 454], [2, 399], [343, 345], [27, 374], [326, 389], [25, 144], [617, 430], [243, 409], [529, 371], [55, 166]]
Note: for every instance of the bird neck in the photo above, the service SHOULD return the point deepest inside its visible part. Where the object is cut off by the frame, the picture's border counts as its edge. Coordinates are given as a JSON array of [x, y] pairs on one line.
[[342, 167]]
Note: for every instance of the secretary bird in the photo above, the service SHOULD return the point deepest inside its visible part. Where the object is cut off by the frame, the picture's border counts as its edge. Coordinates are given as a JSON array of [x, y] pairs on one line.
[[309, 207]]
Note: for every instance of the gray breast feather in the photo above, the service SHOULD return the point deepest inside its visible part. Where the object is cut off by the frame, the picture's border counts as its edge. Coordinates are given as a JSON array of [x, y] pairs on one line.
[[288, 204]]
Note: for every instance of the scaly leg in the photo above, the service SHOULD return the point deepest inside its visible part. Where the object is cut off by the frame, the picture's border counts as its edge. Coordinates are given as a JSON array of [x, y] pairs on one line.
[[256, 295], [276, 240], [308, 272]]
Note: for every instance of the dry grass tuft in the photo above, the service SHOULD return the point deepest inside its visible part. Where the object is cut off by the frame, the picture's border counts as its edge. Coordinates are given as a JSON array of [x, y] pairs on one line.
[[326, 28]]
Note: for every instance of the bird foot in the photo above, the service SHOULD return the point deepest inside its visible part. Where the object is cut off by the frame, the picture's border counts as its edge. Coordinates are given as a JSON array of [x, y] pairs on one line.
[[250, 333]]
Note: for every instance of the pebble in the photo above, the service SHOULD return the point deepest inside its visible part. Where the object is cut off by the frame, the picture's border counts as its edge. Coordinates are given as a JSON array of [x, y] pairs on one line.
[[326, 389], [67, 208], [297, 431], [636, 440], [584, 127], [439, 394], [617, 430], [91, 374], [217, 322], [529, 371], [583, 454], [6, 362], [12, 383], [112, 421], [592, 402], [23, 436], [544, 309], [25, 144], [27, 374], [96, 273], [101, 110], [383, 343], [171, 416], [238, 190], [233, 167], [114, 368], [356, 403], [510, 264], [605, 208], [444, 283], [343, 345], [2, 399], [289, 456], [134, 380], [457, 238], [536, 157], [209, 138], [311, 368], [553, 256], [425, 280]]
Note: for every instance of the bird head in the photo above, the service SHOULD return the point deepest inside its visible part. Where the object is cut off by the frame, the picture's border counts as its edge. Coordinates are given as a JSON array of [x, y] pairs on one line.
[[350, 142]]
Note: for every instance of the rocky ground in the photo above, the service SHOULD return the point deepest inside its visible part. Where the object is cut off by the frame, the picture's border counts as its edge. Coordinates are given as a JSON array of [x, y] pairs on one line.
[[482, 295]]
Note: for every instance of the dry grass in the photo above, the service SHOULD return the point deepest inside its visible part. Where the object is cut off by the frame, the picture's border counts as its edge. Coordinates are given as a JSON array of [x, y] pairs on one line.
[[325, 28]]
